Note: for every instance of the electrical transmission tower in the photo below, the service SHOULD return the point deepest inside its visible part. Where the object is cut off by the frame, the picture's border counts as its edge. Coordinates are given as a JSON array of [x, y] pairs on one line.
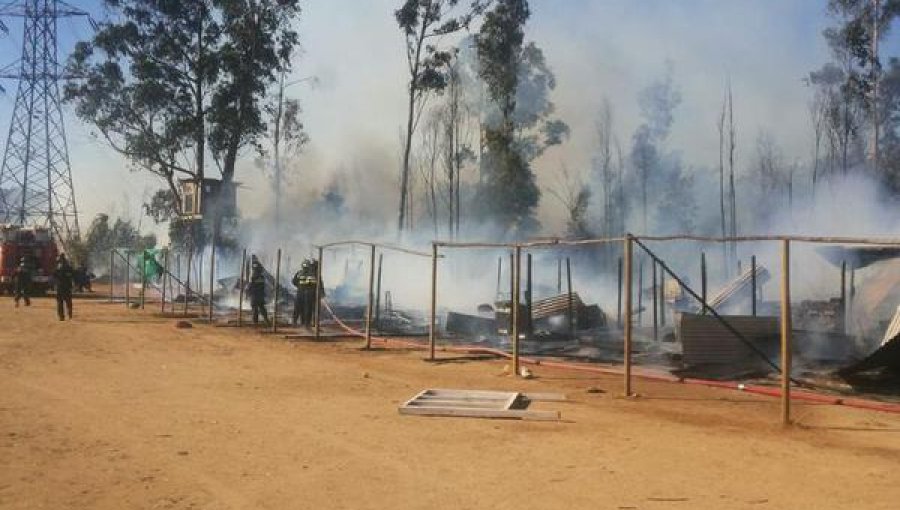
[[35, 176]]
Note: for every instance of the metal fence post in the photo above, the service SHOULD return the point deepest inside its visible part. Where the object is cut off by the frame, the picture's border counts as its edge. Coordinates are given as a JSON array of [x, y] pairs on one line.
[[277, 287], [112, 255], [127, 279], [786, 332], [165, 276], [432, 329], [626, 355], [319, 287], [371, 298], [514, 330], [241, 285]]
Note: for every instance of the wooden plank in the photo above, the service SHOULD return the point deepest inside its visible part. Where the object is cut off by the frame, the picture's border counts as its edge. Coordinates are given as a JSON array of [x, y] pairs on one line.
[[481, 413], [545, 397], [451, 398], [471, 393], [511, 401], [457, 403], [423, 392]]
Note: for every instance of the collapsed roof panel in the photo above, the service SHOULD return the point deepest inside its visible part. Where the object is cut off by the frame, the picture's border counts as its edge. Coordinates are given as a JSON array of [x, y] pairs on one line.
[[857, 256]]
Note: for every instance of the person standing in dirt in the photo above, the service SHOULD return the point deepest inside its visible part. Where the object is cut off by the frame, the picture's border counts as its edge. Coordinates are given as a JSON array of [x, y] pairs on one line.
[[257, 290], [306, 280], [63, 276], [83, 279], [22, 283]]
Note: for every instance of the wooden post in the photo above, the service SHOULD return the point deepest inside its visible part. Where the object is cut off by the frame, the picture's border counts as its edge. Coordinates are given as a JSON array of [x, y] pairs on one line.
[[786, 333], [177, 272], [200, 282], [514, 331], [640, 292], [662, 297], [558, 276], [529, 299], [371, 303], [112, 265], [499, 274], [753, 284], [241, 284], [852, 296], [319, 288], [165, 276], [570, 304], [127, 279], [655, 304], [432, 325], [277, 288], [844, 296], [212, 274], [619, 297], [378, 293], [626, 356], [187, 281], [143, 270], [512, 287], [703, 282]]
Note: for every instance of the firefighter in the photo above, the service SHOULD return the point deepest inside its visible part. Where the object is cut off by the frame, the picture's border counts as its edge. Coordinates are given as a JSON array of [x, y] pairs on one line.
[[306, 280], [83, 279], [22, 283], [63, 277], [257, 290]]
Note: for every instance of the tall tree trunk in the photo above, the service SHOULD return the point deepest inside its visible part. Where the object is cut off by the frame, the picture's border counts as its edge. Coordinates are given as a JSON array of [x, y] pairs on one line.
[[731, 185], [875, 121], [722, 181], [410, 125], [200, 136]]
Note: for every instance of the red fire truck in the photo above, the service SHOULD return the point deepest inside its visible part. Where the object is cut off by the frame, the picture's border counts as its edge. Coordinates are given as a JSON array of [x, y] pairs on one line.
[[33, 244]]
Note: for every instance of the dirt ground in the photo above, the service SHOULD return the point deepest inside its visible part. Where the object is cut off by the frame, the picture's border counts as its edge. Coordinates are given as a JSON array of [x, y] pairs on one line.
[[119, 409]]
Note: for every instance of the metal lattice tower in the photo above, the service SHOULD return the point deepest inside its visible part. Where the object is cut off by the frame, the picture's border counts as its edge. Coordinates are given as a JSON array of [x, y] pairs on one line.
[[35, 176]]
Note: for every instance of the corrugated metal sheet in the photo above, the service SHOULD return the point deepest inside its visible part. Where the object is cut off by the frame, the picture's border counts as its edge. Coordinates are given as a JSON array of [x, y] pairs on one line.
[[876, 299], [555, 305], [887, 356], [463, 324], [893, 328], [858, 256], [738, 289], [705, 340]]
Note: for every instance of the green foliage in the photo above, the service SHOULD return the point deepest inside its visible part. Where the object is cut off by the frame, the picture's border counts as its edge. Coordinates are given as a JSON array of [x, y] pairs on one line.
[[194, 235], [102, 237], [429, 66], [578, 217], [499, 44], [162, 207], [889, 108], [165, 83], [508, 194], [651, 177]]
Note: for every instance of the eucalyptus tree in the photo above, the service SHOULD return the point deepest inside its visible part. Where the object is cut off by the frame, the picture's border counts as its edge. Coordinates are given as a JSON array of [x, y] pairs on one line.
[[171, 85]]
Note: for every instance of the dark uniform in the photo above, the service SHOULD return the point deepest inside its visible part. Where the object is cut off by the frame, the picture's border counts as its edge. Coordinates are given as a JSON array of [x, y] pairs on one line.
[[63, 276], [83, 279], [257, 290], [22, 284], [306, 281]]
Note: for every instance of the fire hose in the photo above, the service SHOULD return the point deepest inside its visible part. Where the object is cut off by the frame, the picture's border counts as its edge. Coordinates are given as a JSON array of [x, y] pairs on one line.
[[756, 389]]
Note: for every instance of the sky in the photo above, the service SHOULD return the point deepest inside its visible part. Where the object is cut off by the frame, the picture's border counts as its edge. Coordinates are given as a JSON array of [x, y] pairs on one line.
[[355, 108]]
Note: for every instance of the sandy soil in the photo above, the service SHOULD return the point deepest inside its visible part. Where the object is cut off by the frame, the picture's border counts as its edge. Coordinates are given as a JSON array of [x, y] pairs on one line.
[[120, 409]]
